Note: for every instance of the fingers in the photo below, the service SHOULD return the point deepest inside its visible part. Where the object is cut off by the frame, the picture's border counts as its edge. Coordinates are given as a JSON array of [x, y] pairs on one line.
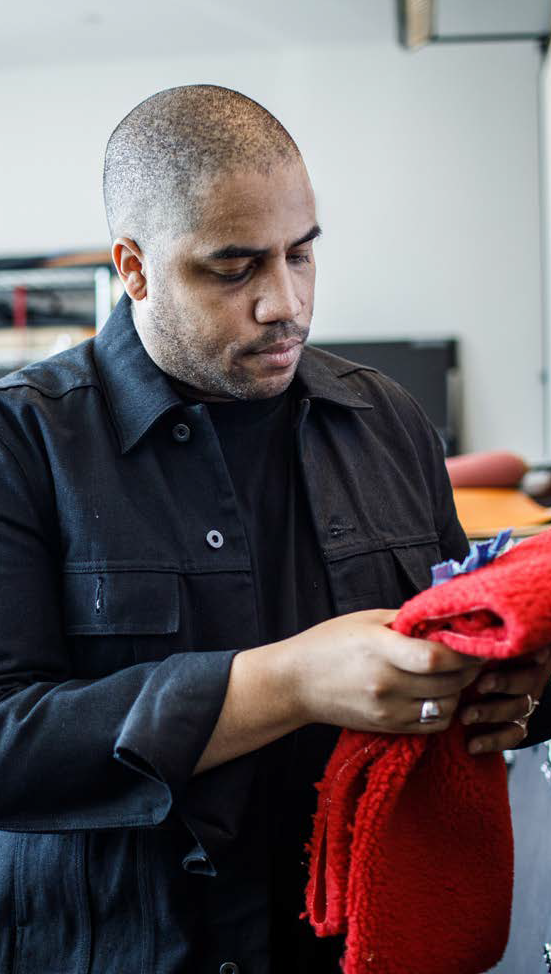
[[396, 696], [501, 738], [500, 710], [504, 713], [448, 707], [423, 656], [440, 684], [401, 715], [514, 682]]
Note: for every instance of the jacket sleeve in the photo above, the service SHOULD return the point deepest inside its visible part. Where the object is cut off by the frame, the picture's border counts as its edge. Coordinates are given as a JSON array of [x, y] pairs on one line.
[[117, 751], [452, 538]]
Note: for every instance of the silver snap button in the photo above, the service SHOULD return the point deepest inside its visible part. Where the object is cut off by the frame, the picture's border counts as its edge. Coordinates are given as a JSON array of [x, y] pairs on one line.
[[181, 433], [215, 539], [228, 967]]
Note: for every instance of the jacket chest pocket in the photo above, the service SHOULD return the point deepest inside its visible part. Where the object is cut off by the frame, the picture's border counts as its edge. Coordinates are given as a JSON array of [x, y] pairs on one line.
[[114, 619], [382, 578]]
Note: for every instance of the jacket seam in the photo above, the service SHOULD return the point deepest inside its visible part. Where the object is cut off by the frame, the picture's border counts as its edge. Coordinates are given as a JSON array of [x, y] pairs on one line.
[[58, 824], [367, 548], [188, 568], [48, 393]]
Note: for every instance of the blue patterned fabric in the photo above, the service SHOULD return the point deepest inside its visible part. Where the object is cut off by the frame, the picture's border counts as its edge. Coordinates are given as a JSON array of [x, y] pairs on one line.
[[481, 553]]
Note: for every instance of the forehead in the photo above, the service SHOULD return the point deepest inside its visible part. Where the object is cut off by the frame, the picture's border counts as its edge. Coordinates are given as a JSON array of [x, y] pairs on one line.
[[255, 208]]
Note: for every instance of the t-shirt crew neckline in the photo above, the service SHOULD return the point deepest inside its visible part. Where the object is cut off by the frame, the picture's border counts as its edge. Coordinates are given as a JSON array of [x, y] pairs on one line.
[[237, 410]]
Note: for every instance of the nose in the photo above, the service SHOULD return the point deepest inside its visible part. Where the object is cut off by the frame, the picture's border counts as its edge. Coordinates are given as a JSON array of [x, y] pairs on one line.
[[278, 299]]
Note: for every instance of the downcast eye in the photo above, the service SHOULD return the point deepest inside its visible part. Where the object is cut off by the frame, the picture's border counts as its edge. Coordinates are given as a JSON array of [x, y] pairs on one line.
[[234, 277]]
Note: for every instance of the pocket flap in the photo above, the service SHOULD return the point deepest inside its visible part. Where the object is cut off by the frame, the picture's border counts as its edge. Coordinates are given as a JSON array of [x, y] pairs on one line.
[[416, 562], [121, 602]]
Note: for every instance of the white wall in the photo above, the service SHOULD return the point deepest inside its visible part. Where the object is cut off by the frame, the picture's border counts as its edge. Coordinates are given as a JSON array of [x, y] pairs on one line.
[[545, 115], [425, 166]]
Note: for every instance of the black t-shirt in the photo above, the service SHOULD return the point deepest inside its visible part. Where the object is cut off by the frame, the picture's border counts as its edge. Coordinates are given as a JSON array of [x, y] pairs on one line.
[[258, 442]]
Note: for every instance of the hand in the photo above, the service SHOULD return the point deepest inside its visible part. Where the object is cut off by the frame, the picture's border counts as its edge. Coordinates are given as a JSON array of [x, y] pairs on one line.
[[505, 691], [353, 671]]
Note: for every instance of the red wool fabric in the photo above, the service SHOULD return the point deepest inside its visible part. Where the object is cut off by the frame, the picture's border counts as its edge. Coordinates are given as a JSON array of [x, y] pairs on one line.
[[412, 849]]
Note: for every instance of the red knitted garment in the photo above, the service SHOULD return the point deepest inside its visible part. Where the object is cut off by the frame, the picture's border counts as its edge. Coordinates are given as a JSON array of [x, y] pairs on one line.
[[412, 849]]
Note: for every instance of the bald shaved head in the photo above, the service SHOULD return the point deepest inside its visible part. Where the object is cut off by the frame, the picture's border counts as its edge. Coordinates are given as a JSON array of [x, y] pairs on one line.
[[162, 156], [213, 219]]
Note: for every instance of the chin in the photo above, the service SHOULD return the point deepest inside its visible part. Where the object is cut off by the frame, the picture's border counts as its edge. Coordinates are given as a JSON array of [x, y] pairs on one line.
[[274, 386]]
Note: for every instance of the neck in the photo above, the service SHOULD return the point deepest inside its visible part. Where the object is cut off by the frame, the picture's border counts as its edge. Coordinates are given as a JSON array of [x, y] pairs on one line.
[[193, 393]]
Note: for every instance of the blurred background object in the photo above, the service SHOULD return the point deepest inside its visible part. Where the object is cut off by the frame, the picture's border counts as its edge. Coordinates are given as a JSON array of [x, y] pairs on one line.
[[494, 468], [49, 303], [423, 22]]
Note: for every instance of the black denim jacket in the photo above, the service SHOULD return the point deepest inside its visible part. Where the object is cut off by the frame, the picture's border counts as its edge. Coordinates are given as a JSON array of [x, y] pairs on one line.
[[119, 620]]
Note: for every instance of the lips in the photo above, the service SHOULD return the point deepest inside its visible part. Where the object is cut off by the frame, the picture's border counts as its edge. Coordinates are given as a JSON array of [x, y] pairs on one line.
[[281, 355], [279, 347]]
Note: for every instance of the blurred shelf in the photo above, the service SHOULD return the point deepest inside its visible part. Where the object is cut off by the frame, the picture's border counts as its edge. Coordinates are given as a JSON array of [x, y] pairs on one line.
[[42, 278], [54, 291], [22, 346]]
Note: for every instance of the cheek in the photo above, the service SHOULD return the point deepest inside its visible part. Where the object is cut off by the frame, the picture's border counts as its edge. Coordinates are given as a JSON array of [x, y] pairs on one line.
[[230, 315], [306, 292]]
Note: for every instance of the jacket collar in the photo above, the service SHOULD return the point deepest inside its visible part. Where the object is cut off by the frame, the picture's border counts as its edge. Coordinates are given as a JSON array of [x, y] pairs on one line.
[[138, 392], [321, 377]]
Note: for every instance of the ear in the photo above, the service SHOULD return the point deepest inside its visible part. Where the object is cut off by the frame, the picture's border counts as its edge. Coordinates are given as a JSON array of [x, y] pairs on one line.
[[130, 264]]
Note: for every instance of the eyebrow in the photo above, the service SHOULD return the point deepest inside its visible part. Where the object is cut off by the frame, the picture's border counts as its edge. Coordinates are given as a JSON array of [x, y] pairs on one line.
[[232, 251]]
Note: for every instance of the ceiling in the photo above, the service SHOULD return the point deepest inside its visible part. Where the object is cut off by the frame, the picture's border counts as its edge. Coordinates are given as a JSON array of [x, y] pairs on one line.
[[64, 31], [35, 32]]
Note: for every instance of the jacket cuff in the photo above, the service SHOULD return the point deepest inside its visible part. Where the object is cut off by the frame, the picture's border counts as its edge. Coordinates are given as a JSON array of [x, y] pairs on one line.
[[169, 725], [165, 734]]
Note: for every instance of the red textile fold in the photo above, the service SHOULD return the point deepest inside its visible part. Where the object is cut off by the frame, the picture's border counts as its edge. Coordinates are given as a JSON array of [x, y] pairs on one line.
[[412, 849]]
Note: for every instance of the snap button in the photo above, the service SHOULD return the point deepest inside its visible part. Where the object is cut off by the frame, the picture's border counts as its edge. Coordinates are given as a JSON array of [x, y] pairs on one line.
[[215, 539], [228, 967], [181, 433]]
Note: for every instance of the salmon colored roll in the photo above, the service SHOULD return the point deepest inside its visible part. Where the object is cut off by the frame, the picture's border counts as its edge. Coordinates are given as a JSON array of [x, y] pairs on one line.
[[496, 468]]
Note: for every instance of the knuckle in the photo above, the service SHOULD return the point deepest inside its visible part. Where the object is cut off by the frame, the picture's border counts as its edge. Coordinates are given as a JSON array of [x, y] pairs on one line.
[[377, 691], [430, 657], [377, 714], [381, 715]]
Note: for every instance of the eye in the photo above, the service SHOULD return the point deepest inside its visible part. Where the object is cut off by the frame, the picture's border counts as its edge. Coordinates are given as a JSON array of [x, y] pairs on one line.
[[299, 258], [232, 278]]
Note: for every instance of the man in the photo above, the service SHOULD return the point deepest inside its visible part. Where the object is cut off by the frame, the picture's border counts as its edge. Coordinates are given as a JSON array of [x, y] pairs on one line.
[[204, 530]]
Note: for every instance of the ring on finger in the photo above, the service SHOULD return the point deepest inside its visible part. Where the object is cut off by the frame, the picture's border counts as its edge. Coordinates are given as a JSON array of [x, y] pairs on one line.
[[532, 704], [521, 723], [430, 712]]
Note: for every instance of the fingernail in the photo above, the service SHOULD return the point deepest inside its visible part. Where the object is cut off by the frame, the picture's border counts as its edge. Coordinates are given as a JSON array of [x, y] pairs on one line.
[[487, 683], [475, 747], [471, 716]]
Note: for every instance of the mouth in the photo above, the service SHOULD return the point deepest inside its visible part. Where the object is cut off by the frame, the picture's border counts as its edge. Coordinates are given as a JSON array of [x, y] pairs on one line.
[[282, 354]]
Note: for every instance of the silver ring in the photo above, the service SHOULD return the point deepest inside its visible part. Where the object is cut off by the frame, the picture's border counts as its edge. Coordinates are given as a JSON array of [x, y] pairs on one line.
[[430, 711], [532, 704], [521, 723]]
